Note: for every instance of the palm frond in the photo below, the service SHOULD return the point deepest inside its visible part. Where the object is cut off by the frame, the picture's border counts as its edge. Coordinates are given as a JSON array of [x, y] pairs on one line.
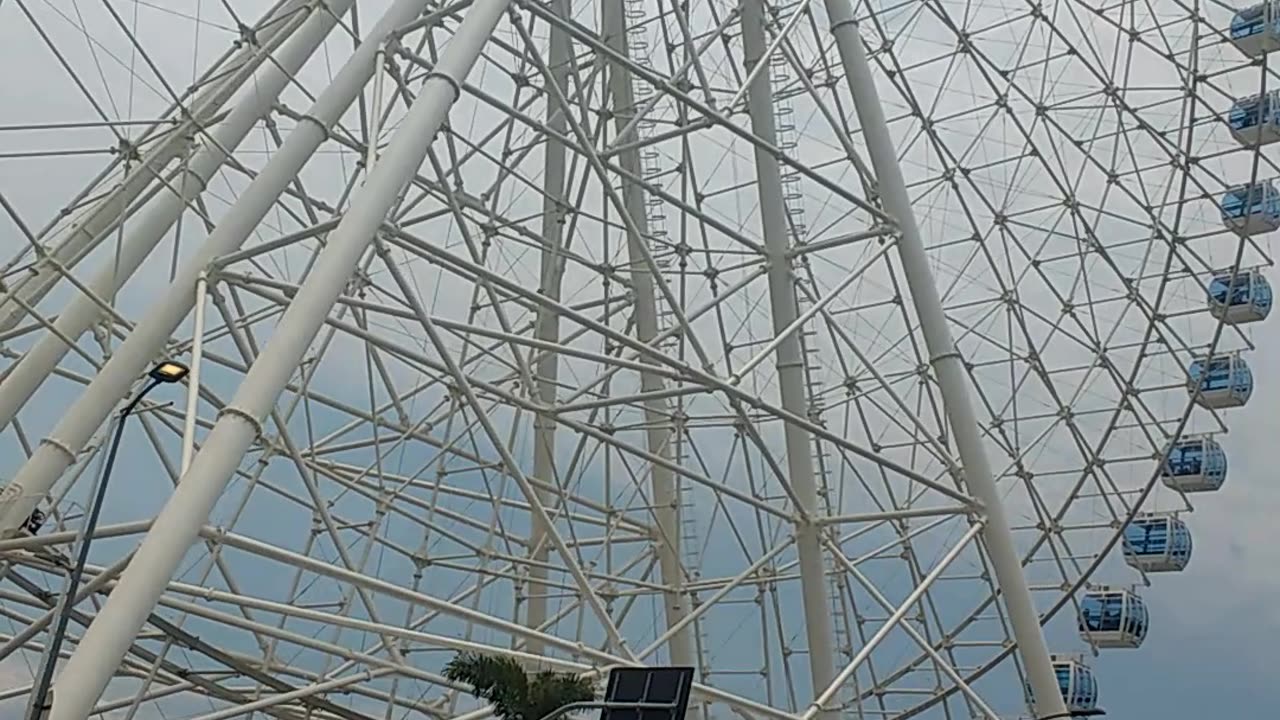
[[500, 680], [551, 690], [513, 693]]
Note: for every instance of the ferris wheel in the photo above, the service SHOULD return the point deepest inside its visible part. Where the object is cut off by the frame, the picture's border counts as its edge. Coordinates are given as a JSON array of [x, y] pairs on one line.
[[869, 358]]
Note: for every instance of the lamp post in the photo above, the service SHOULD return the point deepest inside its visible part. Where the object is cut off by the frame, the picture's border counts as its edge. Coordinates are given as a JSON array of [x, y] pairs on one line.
[[41, 699]]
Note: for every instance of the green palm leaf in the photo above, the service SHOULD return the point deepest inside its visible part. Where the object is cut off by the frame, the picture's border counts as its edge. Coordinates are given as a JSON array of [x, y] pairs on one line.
[[513, 693]]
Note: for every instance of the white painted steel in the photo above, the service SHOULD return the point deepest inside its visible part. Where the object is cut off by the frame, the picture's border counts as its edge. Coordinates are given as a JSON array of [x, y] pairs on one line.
[[539, 417], [92, 664], [659, 436], [56, 453], [944, 356], [789, 362], [158, 216], [276, 25]]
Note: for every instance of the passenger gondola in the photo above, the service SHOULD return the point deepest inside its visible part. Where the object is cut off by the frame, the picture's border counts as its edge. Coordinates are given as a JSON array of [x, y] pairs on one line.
[[1157, 542], [1195, 464], [1222, 381], [1254, 29], [1251, 209], [1113, 618], [1241, 298]]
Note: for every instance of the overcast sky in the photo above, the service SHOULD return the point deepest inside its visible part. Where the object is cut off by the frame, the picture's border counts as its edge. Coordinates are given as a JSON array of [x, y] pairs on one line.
[[1215, 631]]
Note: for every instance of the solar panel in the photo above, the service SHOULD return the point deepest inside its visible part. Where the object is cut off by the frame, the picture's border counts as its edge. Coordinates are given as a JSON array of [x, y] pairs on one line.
[[667, 686]]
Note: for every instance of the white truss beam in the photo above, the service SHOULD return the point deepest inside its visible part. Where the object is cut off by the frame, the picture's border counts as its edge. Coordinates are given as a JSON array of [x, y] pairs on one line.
[[56, 452], [947, 363], [220, 83], [87, 673]]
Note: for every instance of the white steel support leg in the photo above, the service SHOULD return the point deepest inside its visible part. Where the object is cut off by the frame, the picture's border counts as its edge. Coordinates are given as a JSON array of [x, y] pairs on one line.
[[57, 451], [29, 289], [657, 416], [176, 527], [141, 239], [790, 360], [554, 211], [953, 380]]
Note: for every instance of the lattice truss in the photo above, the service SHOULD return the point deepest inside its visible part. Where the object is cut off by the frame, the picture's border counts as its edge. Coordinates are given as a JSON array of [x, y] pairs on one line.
[[547, 414]]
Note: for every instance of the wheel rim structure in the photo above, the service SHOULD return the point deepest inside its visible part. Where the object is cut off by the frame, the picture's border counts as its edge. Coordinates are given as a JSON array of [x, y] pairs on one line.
[[589, 317]]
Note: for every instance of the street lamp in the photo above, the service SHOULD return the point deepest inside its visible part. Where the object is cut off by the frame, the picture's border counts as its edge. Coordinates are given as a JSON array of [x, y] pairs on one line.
[[41, 700]]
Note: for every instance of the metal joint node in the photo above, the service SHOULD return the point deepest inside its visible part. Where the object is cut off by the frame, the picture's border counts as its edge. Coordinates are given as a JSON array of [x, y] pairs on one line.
[[60, 446], [248, 35], [935, 359], [243, 415], [457, 86], [307, 117], [841, 23]]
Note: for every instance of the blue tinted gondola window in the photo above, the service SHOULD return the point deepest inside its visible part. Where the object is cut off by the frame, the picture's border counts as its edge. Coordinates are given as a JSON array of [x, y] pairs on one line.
[[1234, 202], [1216, 373], [1249, 21], [1087, 691], [1186, 459], [1240, 289], [1196, 457], [1114, 612], [1247, 113], [1245, 289], [1157, 538], [1258, 199], [1241, 378], [1137, 621], [1221, 373], [1181, 542], [1147, 537], [1101, 613]]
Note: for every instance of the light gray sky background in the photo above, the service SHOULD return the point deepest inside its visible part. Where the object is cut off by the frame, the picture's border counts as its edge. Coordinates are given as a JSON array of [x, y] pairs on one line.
[[1215, 638]]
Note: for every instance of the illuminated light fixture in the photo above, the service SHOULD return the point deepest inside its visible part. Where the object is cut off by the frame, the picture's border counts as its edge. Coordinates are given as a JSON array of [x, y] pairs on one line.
[[168, 372]]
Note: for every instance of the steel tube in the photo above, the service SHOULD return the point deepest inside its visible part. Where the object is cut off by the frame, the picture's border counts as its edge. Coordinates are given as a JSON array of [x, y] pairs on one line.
[[56, 452], [109, 210], [177, 526], [37, 703], [953, 380], [555, 210], [84, 309], [895, 617], [193, 378], [657, 413], [789, 358]]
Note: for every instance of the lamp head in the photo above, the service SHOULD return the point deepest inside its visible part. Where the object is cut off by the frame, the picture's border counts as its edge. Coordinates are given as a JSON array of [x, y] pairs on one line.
[[168, 372]]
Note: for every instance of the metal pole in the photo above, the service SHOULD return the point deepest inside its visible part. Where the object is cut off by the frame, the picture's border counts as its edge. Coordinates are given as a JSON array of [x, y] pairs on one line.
[[597, 705], [248, 709], [37, 706], [894, 619], [58, 451], [193, 379], [554, 211], [272, 28], [178, 524], [948, 366], [666, 499], [465, 614], [925, 644], [790, 359], [84, 309]]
